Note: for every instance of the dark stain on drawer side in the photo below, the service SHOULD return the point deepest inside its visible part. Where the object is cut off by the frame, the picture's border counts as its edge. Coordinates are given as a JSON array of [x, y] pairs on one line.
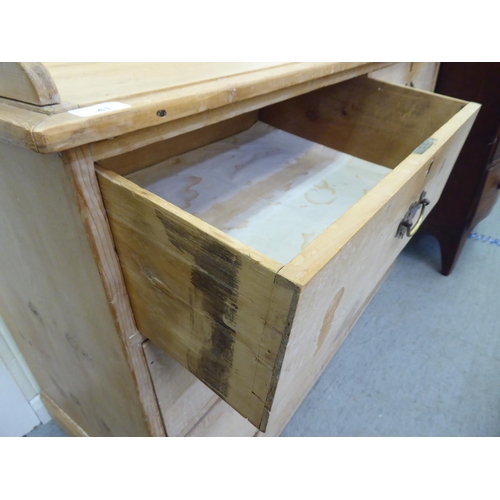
[[215, 275], [174, 235], [218, 282]]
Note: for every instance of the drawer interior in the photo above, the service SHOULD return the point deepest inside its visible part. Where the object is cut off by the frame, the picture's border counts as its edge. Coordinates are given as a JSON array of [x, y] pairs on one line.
[[277, 178], [269, 189]]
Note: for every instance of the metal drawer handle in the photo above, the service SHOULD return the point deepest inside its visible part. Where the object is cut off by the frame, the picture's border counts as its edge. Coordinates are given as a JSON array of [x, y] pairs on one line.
[[405, 226]]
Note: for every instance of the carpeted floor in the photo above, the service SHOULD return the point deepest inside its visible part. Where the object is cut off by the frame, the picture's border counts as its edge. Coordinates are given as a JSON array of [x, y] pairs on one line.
[[423, 360]]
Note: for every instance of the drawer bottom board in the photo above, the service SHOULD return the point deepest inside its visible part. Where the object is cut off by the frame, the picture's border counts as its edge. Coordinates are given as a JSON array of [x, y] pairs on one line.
[[269, 189]]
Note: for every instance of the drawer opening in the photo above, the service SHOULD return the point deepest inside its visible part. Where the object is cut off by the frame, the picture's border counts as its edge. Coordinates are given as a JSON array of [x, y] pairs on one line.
[[277, 179], [272, 190]]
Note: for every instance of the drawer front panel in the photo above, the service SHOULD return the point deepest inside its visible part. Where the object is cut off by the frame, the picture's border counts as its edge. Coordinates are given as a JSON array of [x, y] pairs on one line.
[[339, 284]]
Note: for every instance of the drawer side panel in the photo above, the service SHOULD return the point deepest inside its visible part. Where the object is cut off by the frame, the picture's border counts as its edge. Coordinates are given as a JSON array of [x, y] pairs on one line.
[[211, 303]]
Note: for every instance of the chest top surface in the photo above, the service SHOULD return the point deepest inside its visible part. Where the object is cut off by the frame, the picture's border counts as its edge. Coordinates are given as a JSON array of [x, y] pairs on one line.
[[51, 107]]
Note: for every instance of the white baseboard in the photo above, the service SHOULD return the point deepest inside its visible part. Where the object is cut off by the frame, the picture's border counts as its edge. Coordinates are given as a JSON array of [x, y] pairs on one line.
[[40, 410]]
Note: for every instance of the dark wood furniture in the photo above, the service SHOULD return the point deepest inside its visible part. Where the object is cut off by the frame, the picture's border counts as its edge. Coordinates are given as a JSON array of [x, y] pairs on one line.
[[474, 184]]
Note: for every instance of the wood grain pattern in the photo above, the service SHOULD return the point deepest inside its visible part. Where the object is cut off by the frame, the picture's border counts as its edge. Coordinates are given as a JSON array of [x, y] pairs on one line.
[[63, 420], [182, 398], [375, 121], [53, 301], [237, 94], [267, 188], [159, 270], [157, 152], [190, 408], [292, 391], [40, 111], [143, 137], [81, 170], [200, 295], [420, 75], [87, 83], [16, 126], [222, 421], [342, 268], [30, 82], [319, 253]]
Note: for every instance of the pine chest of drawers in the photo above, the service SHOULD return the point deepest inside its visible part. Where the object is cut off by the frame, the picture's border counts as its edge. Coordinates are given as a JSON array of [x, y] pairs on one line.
[[185, 246]]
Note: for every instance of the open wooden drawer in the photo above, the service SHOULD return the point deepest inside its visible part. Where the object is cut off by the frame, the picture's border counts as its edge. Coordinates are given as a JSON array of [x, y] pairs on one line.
[[278, 228]]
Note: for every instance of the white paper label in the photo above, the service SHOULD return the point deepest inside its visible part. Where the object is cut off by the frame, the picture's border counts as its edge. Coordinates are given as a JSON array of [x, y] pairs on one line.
[[97, 109]]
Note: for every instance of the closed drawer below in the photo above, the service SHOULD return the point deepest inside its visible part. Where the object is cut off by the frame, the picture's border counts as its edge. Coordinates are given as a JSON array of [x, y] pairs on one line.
[[188, 407], [251, 248]]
